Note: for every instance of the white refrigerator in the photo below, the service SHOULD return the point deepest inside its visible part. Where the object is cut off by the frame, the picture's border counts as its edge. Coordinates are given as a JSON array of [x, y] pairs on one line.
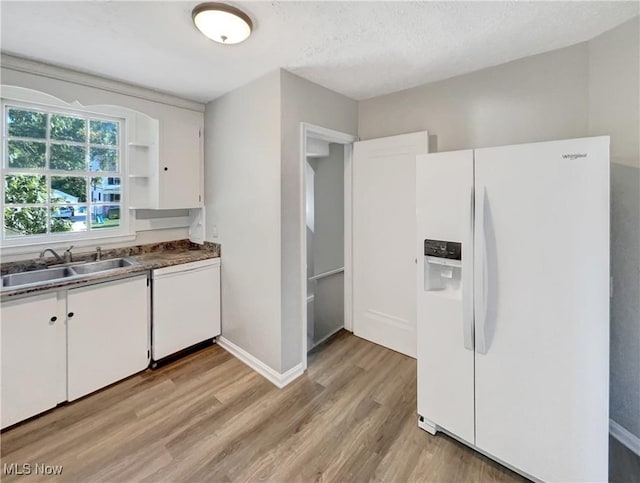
[[513, 304]]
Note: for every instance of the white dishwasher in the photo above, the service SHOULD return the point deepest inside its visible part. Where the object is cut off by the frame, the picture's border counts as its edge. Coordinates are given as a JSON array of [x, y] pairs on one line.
[[186, 306]]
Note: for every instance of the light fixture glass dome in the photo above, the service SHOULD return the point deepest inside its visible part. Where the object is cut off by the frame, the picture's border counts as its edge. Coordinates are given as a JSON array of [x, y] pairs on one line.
[[222, 23]]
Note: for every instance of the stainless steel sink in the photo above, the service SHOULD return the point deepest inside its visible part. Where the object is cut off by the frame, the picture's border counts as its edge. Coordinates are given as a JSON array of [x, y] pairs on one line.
[[103, 265], [36, 276]]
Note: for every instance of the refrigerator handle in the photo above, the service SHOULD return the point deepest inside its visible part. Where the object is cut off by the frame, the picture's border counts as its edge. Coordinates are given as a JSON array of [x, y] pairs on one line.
[[467, 275], [481, 276]]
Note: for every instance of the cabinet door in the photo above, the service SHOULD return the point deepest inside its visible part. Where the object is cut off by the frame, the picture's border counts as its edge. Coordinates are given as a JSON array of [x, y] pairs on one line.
[[108, 334], [33, 357], [181, 162], [186, 307]]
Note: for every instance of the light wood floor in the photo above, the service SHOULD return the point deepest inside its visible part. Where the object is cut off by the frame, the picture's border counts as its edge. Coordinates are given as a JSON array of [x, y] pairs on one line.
[[208, 417]]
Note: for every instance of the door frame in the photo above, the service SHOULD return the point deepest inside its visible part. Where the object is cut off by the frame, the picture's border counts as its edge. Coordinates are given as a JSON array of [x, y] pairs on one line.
[[307, 131]]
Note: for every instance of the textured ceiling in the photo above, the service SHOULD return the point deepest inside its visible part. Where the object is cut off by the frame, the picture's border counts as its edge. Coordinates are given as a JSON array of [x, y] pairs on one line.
[[361, 49]]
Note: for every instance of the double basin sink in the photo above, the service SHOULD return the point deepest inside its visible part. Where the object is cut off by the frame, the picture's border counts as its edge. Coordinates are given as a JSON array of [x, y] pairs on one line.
[[47, 275]]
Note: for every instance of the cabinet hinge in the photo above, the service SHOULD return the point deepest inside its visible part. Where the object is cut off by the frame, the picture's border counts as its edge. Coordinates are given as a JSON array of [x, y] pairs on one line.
[[148, 354]]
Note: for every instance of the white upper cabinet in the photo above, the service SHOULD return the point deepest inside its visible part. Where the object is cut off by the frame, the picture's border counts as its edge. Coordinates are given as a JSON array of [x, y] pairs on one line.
[[181, 169], [166, 162]]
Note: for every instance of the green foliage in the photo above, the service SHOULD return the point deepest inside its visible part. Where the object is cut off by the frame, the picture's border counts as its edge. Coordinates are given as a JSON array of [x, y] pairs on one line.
[[23, 188], [73, 185], [25, 221], [103, 132], [27, 124], [26, 154], [67, 157], [103, 159], [66, 128], [60, 224]]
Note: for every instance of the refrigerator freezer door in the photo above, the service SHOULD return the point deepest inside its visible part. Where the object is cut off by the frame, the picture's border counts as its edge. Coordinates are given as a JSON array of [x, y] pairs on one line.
[[444, 291], [542, 383]]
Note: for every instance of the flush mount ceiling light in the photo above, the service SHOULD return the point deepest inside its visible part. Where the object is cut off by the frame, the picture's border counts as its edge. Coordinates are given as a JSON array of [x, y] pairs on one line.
[[222, 23]]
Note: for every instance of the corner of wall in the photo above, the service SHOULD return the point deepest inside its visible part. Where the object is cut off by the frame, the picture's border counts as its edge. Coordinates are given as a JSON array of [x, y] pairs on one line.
[[614, 110]]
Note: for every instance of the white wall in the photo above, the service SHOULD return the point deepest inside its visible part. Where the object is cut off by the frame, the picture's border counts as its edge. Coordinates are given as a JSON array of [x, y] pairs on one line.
[[614, 109], [302, 101], [71, 86], [242, 193], [586, 89]]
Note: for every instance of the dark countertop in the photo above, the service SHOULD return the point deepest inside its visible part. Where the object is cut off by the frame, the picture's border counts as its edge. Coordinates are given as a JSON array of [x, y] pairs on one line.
[[147, 257]]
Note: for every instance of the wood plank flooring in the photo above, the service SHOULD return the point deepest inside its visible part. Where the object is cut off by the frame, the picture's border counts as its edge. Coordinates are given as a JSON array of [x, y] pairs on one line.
[[208, 417]]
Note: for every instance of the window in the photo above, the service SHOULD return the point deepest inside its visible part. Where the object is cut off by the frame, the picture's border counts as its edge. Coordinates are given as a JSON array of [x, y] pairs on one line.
[[62, 174]]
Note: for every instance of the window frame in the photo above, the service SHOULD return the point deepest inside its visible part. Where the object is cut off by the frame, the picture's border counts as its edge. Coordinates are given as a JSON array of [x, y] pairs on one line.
[[21, 98]]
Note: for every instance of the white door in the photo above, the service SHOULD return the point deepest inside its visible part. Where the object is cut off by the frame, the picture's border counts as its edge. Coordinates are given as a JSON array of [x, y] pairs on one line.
[[33, 357], [542, 307], [444, 212], [383, 217], [107, 333], [186, 306]]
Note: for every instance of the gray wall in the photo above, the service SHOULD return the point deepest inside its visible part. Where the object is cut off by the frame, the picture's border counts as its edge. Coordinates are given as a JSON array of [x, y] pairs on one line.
[[328, 252], [538, 98], [614, 109], [328, 242], [302, 101], [328, 307], [242, 188], [586, 89], [252, 193]]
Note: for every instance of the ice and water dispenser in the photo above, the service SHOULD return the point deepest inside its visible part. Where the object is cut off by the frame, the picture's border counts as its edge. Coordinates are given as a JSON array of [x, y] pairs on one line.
[[443, 267]]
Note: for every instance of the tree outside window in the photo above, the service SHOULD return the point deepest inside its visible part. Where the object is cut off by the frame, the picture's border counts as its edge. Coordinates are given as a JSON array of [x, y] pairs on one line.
[[57, 172]]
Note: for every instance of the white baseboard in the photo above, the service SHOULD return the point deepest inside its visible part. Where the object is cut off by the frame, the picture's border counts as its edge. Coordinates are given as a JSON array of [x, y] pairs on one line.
[[278, 379], [627, 438]]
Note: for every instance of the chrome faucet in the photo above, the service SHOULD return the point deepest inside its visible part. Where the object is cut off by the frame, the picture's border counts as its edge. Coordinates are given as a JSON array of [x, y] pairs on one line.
[[58, 257], [67, 255]]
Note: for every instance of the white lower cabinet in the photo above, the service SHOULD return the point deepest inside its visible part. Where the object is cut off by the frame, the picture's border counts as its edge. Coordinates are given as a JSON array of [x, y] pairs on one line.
[[33, 357], [60, 346], [107, 333]]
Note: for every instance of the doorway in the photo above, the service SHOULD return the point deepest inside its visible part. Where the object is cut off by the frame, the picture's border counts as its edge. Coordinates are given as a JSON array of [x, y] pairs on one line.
[[326, 264]]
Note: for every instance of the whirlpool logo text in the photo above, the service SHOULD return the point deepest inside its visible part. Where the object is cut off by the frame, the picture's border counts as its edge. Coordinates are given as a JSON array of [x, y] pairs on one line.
[[574, 156]]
